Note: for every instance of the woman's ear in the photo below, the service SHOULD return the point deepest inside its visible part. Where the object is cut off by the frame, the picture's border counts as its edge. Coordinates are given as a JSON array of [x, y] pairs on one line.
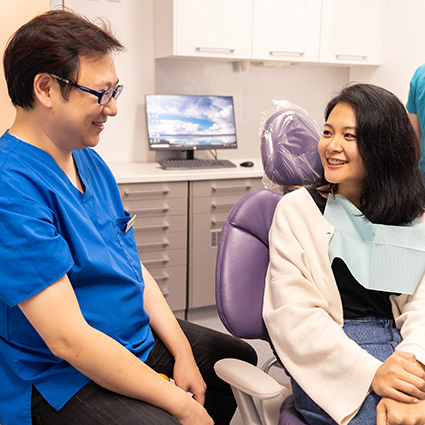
[[43, 89]]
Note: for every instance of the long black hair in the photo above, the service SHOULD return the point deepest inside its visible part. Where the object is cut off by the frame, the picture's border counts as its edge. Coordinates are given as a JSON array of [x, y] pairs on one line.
[[394, 189]]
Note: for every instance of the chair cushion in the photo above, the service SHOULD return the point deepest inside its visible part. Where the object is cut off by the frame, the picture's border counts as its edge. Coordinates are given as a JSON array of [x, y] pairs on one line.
[[242, 261]]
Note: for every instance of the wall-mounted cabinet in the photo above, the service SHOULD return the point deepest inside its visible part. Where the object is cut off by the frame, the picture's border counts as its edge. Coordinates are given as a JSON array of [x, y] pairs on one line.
[[351, 31], [286, 30], [315, 31], [213, 29]]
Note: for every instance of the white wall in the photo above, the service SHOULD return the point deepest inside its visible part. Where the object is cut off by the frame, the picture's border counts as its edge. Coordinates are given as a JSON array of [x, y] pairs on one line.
[[254, 89], [13, 15], [403, 48]]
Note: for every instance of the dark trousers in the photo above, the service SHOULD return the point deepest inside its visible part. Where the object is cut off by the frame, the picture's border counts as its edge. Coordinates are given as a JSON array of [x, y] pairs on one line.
[[94, 405]]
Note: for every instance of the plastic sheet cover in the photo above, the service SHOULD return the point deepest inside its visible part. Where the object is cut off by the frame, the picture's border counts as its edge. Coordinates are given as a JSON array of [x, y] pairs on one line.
[[289, 139]]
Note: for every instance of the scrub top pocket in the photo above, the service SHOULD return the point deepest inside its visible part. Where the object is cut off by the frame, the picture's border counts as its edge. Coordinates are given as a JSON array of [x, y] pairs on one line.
[[128, 245]]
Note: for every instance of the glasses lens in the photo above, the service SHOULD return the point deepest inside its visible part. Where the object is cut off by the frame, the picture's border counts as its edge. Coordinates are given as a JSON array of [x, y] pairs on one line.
[[106, 97], [108, 94], [118, 92]]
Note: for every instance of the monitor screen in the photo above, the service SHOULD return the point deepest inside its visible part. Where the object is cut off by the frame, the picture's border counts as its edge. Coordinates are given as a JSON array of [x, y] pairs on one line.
[[188, 123]]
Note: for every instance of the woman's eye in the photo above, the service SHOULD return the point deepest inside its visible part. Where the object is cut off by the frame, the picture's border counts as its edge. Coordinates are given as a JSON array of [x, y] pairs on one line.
[[350, 136], [327, 133]]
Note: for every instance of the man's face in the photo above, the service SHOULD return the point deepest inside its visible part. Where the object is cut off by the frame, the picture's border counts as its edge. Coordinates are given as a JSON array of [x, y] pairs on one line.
[[81, 119]]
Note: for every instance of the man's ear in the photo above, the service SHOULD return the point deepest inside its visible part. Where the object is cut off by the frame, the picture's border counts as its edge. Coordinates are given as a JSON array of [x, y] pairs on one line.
[[43, 89]]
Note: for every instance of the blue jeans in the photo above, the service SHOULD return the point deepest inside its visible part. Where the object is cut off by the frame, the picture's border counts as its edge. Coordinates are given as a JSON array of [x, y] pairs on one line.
[[94, 405], [379, 338]]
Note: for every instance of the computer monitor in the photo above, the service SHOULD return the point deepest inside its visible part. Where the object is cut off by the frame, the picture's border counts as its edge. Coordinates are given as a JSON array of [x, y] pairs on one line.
[[189, 123]]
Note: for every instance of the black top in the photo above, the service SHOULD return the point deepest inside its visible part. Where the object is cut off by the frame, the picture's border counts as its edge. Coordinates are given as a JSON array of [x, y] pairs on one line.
[[357, 301]]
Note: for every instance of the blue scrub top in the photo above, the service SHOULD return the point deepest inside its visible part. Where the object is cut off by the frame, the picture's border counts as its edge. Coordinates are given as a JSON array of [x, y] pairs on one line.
[[48, 228], [416, 105]]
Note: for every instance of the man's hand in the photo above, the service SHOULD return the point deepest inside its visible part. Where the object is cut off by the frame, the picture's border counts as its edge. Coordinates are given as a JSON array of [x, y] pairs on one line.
[[189, 379], [400, 378]]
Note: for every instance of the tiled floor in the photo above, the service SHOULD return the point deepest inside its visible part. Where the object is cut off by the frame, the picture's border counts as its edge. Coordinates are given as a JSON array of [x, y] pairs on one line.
[[208, 317]]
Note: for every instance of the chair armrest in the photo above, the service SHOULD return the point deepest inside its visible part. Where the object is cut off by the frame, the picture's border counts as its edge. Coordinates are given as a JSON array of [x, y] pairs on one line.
[[248, 378]]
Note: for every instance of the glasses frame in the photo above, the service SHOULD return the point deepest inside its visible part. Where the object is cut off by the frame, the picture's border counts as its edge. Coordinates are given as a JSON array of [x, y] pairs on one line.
[[111, 93]]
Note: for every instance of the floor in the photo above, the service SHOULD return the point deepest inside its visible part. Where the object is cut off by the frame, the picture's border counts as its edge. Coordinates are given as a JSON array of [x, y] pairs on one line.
[[209, 317]]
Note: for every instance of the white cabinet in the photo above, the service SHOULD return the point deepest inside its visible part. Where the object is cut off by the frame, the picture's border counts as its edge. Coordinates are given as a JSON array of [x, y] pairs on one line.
[[286, 30], [352, 31], [347, 32], [203, 28]]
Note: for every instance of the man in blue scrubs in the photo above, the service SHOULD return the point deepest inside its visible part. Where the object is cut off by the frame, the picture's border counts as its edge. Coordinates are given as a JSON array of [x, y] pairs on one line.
[[84, 329]]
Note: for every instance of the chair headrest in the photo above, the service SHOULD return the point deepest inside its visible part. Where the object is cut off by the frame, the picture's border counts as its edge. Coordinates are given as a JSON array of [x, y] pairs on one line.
[[289, 148]]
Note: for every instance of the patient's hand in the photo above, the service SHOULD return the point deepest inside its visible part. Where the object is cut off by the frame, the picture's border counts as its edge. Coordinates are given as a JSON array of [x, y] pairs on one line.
[[391, 412], [400, 378]]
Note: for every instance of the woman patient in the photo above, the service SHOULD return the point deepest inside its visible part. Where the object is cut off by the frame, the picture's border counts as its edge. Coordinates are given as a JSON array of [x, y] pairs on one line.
[[345, 291]]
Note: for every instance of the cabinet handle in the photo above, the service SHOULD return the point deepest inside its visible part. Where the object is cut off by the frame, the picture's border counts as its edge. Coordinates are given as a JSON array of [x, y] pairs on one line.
[[164, 276], [165, 291], [217, 222], [285, 53], [164, 260], [145, 210], [164, 191], [164, 226], [214, 205], [347, 56], [218, 188], [215, 49], [152, 244]]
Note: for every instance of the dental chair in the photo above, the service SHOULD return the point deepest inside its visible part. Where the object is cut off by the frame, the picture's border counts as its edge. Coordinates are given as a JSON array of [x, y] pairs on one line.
[[290, 158]]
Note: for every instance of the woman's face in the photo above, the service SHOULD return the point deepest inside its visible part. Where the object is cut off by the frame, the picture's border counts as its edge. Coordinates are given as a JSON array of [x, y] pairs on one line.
[[339, 153]]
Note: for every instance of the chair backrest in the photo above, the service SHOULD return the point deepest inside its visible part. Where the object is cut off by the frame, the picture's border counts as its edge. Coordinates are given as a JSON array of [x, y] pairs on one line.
[[289, 148], [243, 253], [242, 261]]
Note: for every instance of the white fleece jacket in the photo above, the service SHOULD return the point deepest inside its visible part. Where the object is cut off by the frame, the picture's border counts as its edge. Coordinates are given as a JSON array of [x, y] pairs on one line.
[[303, 312]]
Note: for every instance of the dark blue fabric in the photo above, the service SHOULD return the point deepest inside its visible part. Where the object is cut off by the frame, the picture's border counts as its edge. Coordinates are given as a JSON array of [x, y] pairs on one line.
[[47, 229], [378, 337]]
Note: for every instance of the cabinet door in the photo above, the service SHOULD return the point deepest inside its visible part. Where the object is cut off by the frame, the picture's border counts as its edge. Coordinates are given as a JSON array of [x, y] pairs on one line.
[[352, 31], [286, 30], [213, 28]]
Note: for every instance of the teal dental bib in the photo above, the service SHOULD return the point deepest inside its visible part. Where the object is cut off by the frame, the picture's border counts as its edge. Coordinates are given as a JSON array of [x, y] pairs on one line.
[[380, 257]]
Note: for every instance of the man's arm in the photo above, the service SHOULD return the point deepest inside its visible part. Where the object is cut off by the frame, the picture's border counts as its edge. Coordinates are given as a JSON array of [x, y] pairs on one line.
[[165, 325], [56, 315]]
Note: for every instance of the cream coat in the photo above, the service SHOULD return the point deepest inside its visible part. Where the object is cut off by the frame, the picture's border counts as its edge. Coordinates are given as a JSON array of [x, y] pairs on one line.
[[303, 312]]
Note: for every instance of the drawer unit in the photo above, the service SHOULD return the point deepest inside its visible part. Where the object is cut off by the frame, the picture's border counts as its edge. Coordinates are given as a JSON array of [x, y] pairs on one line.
[[160, 230], [209, 205]]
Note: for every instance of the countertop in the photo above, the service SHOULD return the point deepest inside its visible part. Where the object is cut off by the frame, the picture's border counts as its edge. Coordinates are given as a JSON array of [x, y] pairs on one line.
[[138, 172]]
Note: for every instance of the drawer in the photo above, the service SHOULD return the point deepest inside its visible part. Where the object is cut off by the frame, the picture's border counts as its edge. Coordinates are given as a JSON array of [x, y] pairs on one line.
[[161, 243], [173, 286], [236, 187], [141, 191], [214, 204], [154, 260], [156, 207], [160, 225]]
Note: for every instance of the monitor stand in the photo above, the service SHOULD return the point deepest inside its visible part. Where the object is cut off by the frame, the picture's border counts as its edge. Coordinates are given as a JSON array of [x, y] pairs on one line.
[[190, 154]]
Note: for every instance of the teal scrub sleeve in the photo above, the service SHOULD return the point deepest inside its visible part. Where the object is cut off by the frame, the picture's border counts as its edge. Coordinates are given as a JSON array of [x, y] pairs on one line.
[[33, 253]]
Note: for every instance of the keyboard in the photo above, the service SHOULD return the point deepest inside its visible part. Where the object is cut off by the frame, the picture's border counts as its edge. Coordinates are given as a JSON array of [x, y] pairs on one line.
[[190, 164]]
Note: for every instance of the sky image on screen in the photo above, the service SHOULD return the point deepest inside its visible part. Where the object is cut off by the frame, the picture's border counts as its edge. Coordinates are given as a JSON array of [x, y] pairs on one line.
[[188, 122]]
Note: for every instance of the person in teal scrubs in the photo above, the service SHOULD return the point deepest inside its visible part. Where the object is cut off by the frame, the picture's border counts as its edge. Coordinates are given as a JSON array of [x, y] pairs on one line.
[[84, 329], [416, 108]]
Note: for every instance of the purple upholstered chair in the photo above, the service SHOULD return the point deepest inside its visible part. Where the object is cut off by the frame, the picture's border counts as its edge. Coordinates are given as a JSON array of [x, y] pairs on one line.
[[290, 158]]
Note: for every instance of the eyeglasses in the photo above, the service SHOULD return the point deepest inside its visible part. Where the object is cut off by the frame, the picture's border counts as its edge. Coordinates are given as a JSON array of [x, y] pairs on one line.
[[103, 96]]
